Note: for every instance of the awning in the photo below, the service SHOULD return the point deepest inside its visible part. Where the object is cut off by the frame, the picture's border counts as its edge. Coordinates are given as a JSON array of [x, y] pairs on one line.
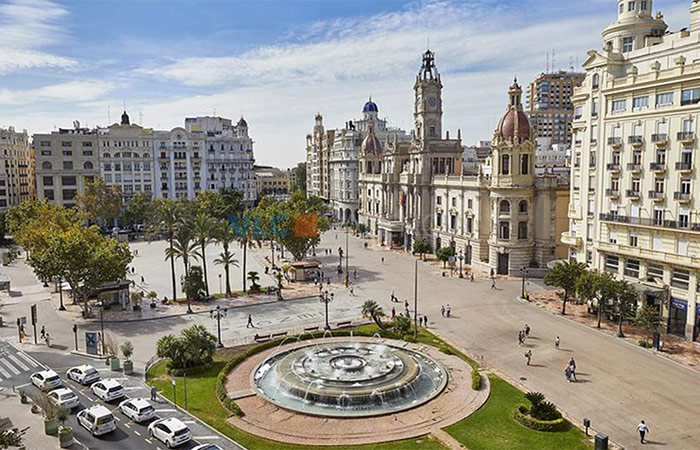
[[645, 289]]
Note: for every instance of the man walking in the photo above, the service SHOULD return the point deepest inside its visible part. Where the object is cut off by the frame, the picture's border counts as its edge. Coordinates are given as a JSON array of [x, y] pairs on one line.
[[442, 310], [556, 343], [250, 322], [527, 330], [425, 321], [643, 430], [448, 310], [154, 391], [43, 332], [528, 355], [572, 367], [393, 312]]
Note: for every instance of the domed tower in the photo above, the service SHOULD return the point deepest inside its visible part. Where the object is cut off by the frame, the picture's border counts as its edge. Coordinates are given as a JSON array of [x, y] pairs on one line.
[[634, 27], [371, 147], [511, 241], [427, 112], [242, 127], [370, 111]]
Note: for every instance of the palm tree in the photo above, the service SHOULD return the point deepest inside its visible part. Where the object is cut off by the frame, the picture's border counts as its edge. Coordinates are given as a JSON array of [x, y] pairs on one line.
[[203, 228], [565, 275], [183, 246], [254, 277], [225, 236], [169, 220], [371, 309], [245, 235]]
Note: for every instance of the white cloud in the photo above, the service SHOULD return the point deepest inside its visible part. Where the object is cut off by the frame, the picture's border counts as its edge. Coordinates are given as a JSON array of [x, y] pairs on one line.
[[26, 26], [70, 91]]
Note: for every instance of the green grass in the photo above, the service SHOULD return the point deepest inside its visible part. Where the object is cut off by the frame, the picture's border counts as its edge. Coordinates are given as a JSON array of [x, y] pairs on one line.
[[492, 427], [202, 402]]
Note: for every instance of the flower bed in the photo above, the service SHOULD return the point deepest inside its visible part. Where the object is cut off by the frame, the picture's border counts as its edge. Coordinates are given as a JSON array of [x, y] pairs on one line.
[[521, 414]]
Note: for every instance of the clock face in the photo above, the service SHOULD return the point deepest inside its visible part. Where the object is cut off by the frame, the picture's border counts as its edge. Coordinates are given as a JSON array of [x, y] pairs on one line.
[[432, 101]]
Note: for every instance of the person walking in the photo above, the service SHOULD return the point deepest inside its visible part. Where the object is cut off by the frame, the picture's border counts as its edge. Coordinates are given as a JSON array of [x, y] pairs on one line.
[[572, 366], [567, 373], [442, 310], [382, 260], [250, 322], [528, 355], [527, 330], [154, 392], [354, 274], [143, 281], [393, 312], [643, 430], [448, 310], [471, 277], [520, 338], [556, 343], [425, 321], [352, 290], [47, 338], [405, 304], [493, 283], [43, 332]]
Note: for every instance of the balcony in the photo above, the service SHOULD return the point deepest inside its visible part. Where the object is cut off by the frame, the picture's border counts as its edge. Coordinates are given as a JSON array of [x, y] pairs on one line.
[[659, 139], [612, 193], [644, 253], [686, 137], [632, 194], [670, 224], [636, 141], [634, 167], [684, 167], [615, 142], [656, 195], [613, 167], [682, 197], [573, 241], [657, 167]]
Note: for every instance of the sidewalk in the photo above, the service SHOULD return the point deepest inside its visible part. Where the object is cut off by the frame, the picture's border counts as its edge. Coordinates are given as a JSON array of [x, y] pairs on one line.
[[22, 417]]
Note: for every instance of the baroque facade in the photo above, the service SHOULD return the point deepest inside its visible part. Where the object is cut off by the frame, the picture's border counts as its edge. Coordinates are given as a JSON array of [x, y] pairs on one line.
[[634, 208], [419, 189]]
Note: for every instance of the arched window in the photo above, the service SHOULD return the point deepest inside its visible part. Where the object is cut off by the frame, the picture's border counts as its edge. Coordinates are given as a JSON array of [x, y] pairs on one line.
[[88, 165], [505, 164], [504, 207], [106, 155], [146, 155], [522, 207], [117, 155], [596, 81], [46, 165]]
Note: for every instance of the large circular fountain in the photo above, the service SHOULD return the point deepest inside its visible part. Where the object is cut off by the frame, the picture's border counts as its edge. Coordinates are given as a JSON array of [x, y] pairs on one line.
[[349, 379]]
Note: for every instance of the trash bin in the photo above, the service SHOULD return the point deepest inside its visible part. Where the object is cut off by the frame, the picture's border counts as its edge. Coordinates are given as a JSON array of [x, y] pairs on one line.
[[601, 441]]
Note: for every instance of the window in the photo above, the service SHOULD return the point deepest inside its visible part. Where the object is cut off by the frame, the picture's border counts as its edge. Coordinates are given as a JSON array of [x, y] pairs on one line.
[[469, 203], [67, 165], [655, 270], [454, 201], [643, 5], [439, 200], [87, 152], [659, 216], [48, 181], [505, 164], [619, 106], [594, 108], [470, 224], [684, 217], [438, 219], [48, 194], [659, 185], [522, 207], [432, 131], [622, 8], [632, 268], [664, 99], [578, 112], [453, 222], [504, 207], [634, 240], [524, 164], [46, 153], [66, 144], [522, 230], [68, 181], [69, 194], [504, 231], [627, 44], [67, 152], [108, 178], [612, 236], [685, 185], [680, 278], [596, 81], [630, 6], [690, 96], [88, 165], [640, 103], [46, 165], [594, 133], [612, 262], [635, 185]]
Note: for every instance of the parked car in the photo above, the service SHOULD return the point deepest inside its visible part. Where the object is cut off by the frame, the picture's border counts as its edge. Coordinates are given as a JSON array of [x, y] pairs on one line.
[[97, 419], [172, 432], [137, 409], [64, 397], [108, 390], [84, 374], [46, 380]]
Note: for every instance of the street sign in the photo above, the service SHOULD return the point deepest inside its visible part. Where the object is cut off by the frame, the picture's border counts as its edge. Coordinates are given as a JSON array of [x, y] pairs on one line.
[[172, 380], [33, 311], [91, 342]]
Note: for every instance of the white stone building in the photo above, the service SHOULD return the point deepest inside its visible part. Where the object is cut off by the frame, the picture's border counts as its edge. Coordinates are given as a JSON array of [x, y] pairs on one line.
[[16, 177]]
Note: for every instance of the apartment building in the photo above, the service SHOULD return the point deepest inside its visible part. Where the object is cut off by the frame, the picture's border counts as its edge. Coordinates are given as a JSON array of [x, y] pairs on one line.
[[549, 107], [16, 177], [272, 182], [634, 208], [318, 151]]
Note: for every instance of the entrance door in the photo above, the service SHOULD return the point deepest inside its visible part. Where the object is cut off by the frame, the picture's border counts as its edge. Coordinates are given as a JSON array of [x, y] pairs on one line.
[[503, 263], [677, 317]]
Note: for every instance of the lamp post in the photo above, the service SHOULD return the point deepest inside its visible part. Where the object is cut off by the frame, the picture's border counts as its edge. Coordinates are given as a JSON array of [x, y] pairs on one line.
[[217, 314], [523, 272], [326, 298], [461, 258], [102, 326], [415, 301], [220, 290], [347, 261], [60, 294]]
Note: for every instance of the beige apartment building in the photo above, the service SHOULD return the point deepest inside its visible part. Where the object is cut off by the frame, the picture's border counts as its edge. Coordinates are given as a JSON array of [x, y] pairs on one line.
[[318, 153], [549, 107], [635, 206], [16, 177], [272, 182]]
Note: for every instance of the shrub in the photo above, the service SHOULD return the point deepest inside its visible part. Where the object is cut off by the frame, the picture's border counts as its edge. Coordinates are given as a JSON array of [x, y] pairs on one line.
[[446, 350], [523, 417], [193, 348], [476, 380], [645, 344]]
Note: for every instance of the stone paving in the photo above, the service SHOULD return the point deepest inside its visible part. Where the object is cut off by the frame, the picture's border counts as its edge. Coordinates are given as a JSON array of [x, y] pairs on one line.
[[264, 419]]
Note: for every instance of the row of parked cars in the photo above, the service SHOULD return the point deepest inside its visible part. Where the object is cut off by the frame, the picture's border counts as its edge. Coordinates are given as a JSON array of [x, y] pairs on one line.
[[98, 419]]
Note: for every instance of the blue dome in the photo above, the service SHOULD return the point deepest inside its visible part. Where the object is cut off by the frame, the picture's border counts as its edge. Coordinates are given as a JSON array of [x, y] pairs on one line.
[[370, 106]]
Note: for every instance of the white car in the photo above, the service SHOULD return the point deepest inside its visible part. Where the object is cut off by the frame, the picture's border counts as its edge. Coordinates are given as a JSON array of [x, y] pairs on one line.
[[172, 432], [64, 397], [108, 389], [137, 409], [46, 380], [97, 419], [207, 447], [84, 374]]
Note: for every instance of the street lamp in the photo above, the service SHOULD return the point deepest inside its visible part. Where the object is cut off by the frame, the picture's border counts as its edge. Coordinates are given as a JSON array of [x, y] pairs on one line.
[[461, 258], [60, 294], [347, 260], [102, 326], [217, 314], [326, 298], [523, 272], [220, 291]]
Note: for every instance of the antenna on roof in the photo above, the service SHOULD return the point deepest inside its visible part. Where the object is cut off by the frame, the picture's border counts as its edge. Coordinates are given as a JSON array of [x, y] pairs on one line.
[[546, 70], [109, 118]]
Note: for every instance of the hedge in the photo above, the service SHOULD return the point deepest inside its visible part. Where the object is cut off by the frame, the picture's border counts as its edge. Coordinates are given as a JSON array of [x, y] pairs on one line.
[[522, 416], [476, 379]]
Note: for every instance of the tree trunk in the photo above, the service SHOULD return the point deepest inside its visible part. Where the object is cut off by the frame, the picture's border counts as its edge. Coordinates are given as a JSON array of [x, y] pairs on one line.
[[245, 247], [600, 312], [619, 330], [204, 266], [228, 282], [563, 306], [172, 271]]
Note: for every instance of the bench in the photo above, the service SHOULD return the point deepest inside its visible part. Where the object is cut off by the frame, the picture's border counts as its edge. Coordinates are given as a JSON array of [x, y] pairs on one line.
[[311, 329], [276, 335], [344, 324], [263, 338]]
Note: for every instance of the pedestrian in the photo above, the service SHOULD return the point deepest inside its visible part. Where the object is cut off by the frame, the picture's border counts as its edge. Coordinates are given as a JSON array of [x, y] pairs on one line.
[[250, 322], [425, 321], [136, 252], [556, 343], [407, 313], [442, 310], [643, 430], [382, 260], [405, 304], [420, 321], [393, 313], [528, 355], [448, 310], [471, 277], [354, 274], [572, 368], [142, 280], [133, 270], [527, 330], [154, 392], [567, 374], [492, 273], [43, 332], [365, 246], [520, 338], [352, 290]]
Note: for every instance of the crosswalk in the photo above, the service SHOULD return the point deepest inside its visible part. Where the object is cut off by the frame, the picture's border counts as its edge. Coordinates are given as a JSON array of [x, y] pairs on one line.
[[15, 363]]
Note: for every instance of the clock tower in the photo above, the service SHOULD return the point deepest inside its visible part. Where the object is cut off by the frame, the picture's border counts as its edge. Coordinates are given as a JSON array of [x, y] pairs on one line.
[[427, 111]]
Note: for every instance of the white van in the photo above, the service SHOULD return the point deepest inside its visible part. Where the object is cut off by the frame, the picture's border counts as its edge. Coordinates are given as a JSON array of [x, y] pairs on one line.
[[97, 419]]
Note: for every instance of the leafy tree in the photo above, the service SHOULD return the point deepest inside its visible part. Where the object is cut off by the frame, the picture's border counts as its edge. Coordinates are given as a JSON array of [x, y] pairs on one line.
[[12, 438], [402, 325], [625, 302], [253, 277], [203, 229], [169, 219], [444, 254], [100, 202], [193, 284], [649, 320], [597, 287], [421, 246], [565, 276], [371, 309], [139, 210], [194, 347], [224, 235], [361, 229]]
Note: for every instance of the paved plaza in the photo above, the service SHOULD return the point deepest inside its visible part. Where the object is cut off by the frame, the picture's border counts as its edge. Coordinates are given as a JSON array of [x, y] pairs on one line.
[[620, 384]]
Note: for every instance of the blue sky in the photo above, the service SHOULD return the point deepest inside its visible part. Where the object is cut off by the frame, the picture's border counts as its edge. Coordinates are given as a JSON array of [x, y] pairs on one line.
[[280, 62]]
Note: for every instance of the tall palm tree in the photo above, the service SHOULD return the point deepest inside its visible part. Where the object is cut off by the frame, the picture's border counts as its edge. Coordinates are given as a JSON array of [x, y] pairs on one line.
[[371, 309], [183, 247], [203, 229], [225, 236], [169, 213], [245, 234]]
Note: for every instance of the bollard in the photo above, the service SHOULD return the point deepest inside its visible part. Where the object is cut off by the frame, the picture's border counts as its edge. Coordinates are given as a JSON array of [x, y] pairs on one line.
[[601, 441]]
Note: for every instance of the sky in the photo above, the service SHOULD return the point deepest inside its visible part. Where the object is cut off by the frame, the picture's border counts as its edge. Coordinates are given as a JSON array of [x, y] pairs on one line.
[[278, 63]]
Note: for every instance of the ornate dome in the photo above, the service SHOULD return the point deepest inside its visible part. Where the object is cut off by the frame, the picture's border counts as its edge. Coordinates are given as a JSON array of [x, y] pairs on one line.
[[370, 106], [242, 123], [514, 123], [371, 145]]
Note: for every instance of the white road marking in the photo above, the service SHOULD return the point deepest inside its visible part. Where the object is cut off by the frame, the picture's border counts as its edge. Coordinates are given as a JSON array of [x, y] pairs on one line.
[[164, 410], [5, 373], [148, 440], [27, 359], [131, 388], [188, 421], [127, 425], [118, 418], [23, 385], [18, 362], [206, 437], [137, 433], [10, 367]]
